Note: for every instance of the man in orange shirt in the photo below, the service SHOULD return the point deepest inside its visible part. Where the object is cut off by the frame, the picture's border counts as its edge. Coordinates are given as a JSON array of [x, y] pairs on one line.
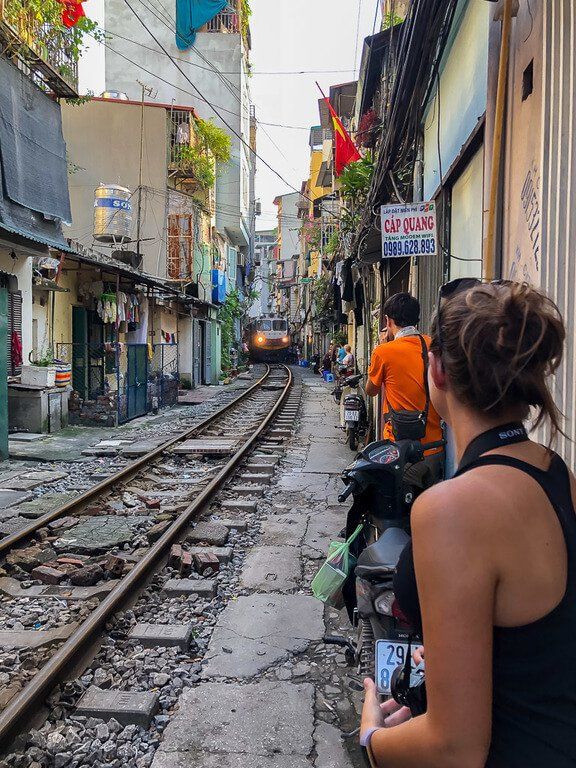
[[397, 369]]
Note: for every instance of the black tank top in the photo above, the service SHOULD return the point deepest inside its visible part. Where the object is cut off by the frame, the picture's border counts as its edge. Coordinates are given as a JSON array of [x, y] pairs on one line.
[[534, 666]]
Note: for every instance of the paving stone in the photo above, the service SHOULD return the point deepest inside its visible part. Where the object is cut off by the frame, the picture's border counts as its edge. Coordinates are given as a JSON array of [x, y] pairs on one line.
[[284, 530], [243, 724], [30, 480], [272, 569], [208, 532], [43, 504], [12, 525], [260, 469], [236, 525], [224, 554], [178, 587], [99, 534], [126, 707], [262, 630], [27, 437], [240, 505], [35, 639], [163, 635], [10, 498], [250, 477], [13, 588], [322, 529], [330, 748]]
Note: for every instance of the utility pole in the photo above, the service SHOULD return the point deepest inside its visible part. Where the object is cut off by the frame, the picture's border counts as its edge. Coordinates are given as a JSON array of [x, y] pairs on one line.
[[146, 90]]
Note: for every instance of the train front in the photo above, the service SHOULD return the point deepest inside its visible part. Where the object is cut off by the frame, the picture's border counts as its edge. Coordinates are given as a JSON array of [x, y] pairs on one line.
[[270, 341]]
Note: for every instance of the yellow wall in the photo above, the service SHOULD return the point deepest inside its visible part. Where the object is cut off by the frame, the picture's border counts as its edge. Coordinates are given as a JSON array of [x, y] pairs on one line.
[[316, 192]]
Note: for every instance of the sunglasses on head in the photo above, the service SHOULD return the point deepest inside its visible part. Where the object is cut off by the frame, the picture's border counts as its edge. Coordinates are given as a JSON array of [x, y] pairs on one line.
[[454, 287]]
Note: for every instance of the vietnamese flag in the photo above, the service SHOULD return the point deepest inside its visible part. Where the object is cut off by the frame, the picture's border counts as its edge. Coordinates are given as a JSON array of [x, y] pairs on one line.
[[72, 12], [346, 151]]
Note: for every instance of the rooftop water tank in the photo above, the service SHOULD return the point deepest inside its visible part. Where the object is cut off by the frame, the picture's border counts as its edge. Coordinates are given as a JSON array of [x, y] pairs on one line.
[[112, 214]]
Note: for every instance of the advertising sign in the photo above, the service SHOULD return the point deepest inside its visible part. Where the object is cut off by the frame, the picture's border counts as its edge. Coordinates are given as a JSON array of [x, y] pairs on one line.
[[409, 230]]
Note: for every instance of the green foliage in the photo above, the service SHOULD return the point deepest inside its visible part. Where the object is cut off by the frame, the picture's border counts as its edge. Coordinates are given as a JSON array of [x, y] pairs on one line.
[[390, 20], [215, 139], [333, 244], [245, 13], [233, 309], [355, 182], [341, 338], [322, 297], [81, 99], [194, 160], [40, 25]]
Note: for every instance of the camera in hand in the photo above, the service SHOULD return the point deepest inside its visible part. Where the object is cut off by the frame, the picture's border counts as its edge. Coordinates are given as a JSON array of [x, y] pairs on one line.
[[408, 687]]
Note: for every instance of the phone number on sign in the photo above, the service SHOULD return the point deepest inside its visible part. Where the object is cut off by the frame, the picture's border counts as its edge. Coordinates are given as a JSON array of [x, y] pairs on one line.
[[413, 247]]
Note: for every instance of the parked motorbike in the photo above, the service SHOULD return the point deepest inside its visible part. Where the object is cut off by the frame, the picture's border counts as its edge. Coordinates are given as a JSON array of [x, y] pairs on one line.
[[353, 410], [382, 501]]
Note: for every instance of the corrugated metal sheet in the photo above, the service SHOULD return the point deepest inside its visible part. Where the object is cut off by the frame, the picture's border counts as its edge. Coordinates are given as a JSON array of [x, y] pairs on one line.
[[558, 189]]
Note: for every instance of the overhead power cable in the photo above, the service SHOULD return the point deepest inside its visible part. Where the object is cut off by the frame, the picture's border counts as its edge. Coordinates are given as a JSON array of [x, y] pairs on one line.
[[215, 110]]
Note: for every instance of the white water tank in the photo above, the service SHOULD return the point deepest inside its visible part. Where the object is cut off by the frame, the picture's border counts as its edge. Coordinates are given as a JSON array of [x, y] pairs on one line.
[[112, 214]]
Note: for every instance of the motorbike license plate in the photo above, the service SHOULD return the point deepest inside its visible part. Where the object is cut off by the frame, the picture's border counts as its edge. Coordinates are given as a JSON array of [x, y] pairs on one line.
[[351, 415], [390, 654]]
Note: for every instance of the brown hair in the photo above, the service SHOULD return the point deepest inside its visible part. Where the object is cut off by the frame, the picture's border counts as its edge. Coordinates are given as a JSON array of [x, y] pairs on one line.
[[500, 343]]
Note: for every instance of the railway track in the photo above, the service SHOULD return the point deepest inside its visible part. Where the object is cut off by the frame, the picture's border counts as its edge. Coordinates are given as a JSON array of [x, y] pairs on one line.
[[242, 424]]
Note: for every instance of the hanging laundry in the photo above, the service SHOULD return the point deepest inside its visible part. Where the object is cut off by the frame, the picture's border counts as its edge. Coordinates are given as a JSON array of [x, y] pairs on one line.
[[183, 133], [191, 15], [150, 351]]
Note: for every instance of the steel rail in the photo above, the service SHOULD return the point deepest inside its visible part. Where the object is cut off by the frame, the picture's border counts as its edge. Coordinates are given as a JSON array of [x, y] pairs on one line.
[[9, 541], [16, 715]]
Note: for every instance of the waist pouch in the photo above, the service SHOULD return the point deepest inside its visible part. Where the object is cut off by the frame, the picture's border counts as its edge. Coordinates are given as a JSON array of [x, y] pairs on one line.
[[411, 425]]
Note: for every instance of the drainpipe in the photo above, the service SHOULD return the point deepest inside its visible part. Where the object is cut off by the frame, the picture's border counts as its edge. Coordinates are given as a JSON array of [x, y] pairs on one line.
[[418, 196], [489, 263]]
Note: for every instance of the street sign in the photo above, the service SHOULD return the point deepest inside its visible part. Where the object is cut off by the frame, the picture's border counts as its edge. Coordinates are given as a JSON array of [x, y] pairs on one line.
[[409, 230]]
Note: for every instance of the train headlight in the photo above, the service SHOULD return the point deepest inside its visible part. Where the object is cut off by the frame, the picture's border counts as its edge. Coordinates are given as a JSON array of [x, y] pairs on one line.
[[285, 339], [260, 339]]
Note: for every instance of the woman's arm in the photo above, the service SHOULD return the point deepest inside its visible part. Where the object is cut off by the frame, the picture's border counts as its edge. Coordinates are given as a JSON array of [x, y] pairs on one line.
[[456, 585]]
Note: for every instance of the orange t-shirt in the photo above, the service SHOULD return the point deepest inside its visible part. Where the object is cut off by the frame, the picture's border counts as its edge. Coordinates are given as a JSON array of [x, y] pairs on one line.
[[398, 366]]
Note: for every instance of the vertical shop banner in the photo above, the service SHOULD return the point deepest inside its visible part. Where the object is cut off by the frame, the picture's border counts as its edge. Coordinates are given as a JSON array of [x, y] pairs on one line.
[[409, 230]]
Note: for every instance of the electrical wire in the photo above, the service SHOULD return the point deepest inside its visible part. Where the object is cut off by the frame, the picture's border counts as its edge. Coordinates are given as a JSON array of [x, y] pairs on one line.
[[357, 37], [239, 136]]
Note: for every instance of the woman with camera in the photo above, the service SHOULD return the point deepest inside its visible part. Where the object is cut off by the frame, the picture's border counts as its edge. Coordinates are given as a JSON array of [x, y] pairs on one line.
[[490, 574]]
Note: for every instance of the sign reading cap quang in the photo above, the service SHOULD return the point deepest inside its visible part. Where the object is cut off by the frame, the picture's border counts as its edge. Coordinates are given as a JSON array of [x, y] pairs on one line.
[[409, 230]]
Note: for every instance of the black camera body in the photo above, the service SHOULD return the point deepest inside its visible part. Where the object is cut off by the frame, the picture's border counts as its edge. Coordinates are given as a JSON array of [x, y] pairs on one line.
[[408, 688]]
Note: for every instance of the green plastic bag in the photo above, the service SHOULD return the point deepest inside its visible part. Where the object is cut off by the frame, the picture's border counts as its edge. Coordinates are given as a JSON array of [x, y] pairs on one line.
[[328, 583]]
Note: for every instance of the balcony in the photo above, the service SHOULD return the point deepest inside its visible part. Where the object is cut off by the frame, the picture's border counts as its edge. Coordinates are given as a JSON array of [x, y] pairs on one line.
[[46, 52], [227, 22]]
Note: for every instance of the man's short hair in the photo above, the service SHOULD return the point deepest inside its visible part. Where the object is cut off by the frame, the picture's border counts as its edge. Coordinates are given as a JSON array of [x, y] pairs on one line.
[[403, 309]]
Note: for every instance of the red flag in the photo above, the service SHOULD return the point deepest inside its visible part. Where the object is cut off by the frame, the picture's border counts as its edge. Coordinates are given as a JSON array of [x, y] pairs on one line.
[[346, 150], [72, 12]]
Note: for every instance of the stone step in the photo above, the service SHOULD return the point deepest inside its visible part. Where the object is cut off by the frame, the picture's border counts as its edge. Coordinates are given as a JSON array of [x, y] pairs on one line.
[[162, 635], [247, 490], [240, 505], [125, 706], [179, 587]]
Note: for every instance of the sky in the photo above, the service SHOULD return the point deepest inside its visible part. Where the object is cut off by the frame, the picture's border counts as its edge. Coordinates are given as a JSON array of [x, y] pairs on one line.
[[324, 39]]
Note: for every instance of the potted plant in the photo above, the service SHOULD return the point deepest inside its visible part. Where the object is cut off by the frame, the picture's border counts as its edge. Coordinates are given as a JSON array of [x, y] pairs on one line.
[[41, 372]]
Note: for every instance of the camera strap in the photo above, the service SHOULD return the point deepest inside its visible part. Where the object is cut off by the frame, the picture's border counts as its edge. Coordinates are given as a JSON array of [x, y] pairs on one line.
[[499, 437]]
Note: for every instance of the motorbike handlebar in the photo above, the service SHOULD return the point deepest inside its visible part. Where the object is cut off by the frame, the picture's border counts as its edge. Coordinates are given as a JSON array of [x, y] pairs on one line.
[[431, 446], [347, 491]]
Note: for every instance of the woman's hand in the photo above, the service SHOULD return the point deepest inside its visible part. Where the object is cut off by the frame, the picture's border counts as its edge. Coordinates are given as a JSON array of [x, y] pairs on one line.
[[377, 715]]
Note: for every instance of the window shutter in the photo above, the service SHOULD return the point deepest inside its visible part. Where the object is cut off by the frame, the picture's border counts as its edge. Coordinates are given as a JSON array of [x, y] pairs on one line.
[[14, 325]]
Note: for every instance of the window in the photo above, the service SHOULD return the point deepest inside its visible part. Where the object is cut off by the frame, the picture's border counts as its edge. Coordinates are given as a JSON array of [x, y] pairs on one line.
[[528, 81], [279, 325], [266, 325], [14, 326]]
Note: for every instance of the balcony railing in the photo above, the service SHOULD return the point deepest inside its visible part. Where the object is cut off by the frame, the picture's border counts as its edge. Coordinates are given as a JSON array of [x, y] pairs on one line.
[[227, 21], [45, 51]]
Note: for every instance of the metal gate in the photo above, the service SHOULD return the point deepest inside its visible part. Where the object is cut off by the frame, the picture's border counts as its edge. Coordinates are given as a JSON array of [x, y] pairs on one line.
[[207, 351], [137, 381]]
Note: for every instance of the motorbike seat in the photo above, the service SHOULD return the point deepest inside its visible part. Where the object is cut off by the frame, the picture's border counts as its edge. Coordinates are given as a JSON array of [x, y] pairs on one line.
[[381, 558], [353, 381]]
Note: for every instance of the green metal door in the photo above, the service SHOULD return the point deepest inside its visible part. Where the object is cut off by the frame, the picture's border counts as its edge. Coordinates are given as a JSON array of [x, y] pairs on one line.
[[3, 369], [137, 389], [80, 362]]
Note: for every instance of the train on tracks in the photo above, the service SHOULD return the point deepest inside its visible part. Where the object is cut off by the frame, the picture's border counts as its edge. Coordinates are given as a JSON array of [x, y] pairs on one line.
[[269, 340]]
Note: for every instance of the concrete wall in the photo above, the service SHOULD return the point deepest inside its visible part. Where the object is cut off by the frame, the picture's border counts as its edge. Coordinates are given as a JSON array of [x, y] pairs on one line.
[[522, 253], [229, 93], [103, 142], [289, 226], [463, 88]]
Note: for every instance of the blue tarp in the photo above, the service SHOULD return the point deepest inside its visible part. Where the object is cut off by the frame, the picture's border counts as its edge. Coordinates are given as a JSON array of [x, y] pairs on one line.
[[191, 15]]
